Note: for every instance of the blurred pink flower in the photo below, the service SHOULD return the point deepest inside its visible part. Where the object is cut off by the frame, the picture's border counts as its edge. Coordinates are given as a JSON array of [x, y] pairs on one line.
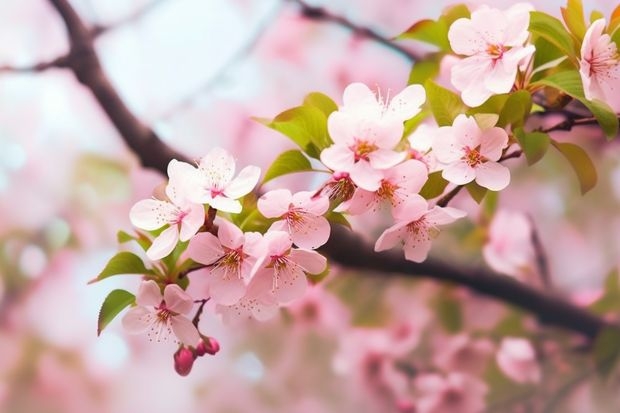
[[183, 217], [162, 315], [493, 41], [464, 354], [517, 359], [600, 66], [301, 216], [454, 393], [415, 227], [231, 256], [469, 152]]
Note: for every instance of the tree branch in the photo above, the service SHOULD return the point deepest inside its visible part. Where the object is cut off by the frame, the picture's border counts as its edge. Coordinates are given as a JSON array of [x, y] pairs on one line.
[[58, 63], [343, 247], [322, 14]]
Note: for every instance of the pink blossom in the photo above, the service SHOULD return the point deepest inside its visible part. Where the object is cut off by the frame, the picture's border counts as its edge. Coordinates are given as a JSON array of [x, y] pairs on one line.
[[600, 66], [465, 354], [415, 227], [213, 183], [455, 392], [509, 248], [286, 268], [517, 359], [162, 315], [258, 303], [469, 153], [397, 185], [365, 131], [493, 41], [300, 215], [230, 256], [420, 145], [182, 217]]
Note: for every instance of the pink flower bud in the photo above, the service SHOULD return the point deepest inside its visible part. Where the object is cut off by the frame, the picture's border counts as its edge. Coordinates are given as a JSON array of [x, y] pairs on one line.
[[207, 345], [184, 360]]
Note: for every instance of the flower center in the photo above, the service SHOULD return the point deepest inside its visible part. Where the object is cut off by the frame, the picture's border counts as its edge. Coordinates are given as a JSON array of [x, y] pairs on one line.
[[387, 190], [231, 263], [602, 60], [496, 51], [295, 217], [473, 156], [362, 149], [340, 188]]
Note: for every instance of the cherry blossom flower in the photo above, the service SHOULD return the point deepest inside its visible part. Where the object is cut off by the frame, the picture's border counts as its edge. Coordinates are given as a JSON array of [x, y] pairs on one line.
[[456, 392], [286, 267], [397, 185], [415, 228], [493, 41], [469, 153], [365, 131], [212, 183], [517, 359], [301, 216], [465, 354], [258, 303], [509, 248], [182, 217], [420, 145], [161, 315], [600, 66], [231, 256]]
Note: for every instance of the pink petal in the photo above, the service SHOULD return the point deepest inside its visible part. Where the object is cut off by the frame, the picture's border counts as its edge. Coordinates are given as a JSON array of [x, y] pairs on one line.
[[386, 134], [365, 176], [501, 77], [414, 207], [149, 294], [226, 291], [181, 174], [185, 331], [192, 222], [338, 158], [275, 203], [385, 158], [358, 94], [391, 236], [459, 173], [277, 242], [151, 214], [229, 234], [410, 175], [138, 320], [517, 31], [443, 216], [417, 247], [317, 205], [406, 104], [342, 128], [177, 300], [310, 261], [361, 202], [493, 176], [464, 38], [225, 204], [492, 142], [445, 147], [291, 284], [164, 243], [312, 232], [205, 248], [243, 183]]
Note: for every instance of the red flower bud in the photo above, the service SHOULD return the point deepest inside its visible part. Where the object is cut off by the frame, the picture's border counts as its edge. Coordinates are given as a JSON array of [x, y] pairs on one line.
[[183, 360], [208, 345]]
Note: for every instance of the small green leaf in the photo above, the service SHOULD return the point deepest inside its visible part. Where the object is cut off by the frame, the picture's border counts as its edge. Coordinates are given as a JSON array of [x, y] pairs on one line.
[[569, 82], [448, 310], [113, 304], [486, 120], [553, 31], [122, 263], [434, 186], [429, 31], [607, 350], [489, 205], [123, 237], [321, 101], [515, 111], [596, 15], [581, 163], [610, 300], [338, 218], [445, 104], [574, 18], [287, 163], [534, 144], [476, 191], [423, 70]]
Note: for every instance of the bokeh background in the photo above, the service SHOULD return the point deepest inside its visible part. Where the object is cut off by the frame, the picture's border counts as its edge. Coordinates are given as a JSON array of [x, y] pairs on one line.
[[197, 71]]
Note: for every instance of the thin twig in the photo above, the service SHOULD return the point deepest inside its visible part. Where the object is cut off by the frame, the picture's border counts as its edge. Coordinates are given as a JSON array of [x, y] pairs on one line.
[[540, 255], [136, 15], [445, 200], [57, 63]]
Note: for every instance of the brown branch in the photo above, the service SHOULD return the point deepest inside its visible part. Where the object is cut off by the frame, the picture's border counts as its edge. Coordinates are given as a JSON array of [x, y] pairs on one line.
[[57, 63], [445, 200], [322, 14], [343, 247]]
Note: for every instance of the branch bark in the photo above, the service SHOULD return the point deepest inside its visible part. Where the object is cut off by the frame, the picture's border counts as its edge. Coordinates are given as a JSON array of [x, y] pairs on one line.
[[343, 247]]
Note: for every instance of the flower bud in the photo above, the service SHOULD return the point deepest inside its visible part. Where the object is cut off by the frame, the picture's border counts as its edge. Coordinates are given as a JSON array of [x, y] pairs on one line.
[[208, 345], [184, 360]]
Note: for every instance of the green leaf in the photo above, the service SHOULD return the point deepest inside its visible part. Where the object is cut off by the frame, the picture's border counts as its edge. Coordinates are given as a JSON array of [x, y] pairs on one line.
[[534, 144], [123, 237], [569, 82], [287, 163], [581, 163], [486, 120], [614, 20], [610, 300], [489, 205], [122, 263], [445, 104], [574, 18], [434, 186], [607, 350], [304, 125], [338, 218], [113, 304], [423, 70], [436, 32], [321, 101], [553, 31], [448, 310], [596, 15], [476, 191], [516, 110], [494, 104]]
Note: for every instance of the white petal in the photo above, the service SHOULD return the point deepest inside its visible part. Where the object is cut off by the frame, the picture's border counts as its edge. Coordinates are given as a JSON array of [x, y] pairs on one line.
[[459, 173], [243, 183], [180, 175], [493, 176], [164, 243], [184, 330], [406, 104], [217, 168], [443, 216], [311, 261], [177, 300], [149, 294], [385, 158], [138, 320], [338, 158], [151, 214], [225, 204], [192, 222], [365, 176]]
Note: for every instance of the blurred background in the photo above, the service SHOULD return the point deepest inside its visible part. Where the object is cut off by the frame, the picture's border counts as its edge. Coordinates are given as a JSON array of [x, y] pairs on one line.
[[197, 71]]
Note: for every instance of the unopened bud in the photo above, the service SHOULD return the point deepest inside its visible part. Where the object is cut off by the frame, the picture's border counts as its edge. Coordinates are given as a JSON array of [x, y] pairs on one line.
[[405, 406], [208, 345], [184, 360]]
